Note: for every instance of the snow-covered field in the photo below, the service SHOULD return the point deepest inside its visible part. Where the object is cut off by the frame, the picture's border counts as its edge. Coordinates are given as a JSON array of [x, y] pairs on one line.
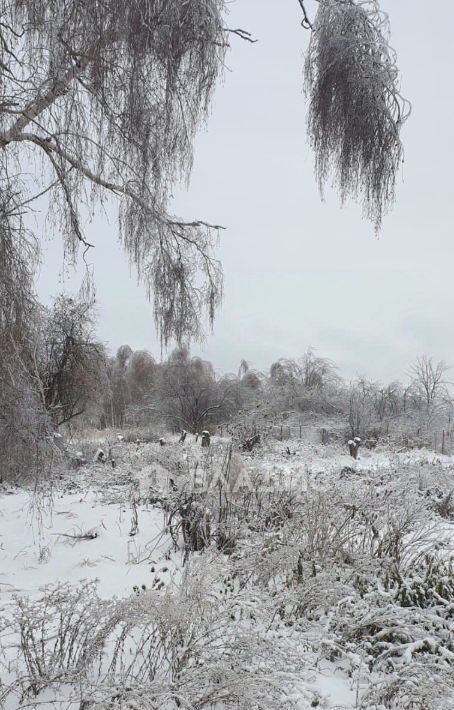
[[333, 586]]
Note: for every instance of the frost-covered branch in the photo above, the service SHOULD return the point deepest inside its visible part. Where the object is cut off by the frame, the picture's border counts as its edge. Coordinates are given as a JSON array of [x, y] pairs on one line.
[[356, 110]]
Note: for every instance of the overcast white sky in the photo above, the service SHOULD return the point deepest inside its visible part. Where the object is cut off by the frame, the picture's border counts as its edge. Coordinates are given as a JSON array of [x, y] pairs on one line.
[[300, 272]]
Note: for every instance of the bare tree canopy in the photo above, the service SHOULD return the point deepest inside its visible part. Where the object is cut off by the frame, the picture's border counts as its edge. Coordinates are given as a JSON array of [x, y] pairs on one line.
[[429, 380], [70, 363], [110, 94], [355, 106]]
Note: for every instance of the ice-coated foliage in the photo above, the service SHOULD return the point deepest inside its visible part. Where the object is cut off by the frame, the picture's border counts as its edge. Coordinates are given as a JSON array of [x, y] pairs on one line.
[[185, 647], [23, 420], [355, 107]]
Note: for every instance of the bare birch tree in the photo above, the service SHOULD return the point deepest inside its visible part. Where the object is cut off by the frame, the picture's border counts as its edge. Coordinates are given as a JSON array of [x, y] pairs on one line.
[[108, 95]]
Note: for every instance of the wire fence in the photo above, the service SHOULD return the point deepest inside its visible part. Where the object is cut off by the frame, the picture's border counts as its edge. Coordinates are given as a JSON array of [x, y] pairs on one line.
[[310, 433], [440, 441]]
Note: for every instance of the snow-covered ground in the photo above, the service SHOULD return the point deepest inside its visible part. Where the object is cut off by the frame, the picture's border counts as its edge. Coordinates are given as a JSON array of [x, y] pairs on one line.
[[97, 524], [79, 538]]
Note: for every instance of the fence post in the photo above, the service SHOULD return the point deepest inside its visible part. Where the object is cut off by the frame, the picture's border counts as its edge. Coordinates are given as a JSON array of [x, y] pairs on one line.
[[300, 432], [443, 442], [282, 436]]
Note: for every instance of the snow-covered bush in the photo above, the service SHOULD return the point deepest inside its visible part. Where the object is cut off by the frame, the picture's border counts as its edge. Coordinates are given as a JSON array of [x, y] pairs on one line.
[[429, 586], [412, 687], [61, 635], [199, 644], [402, 631]]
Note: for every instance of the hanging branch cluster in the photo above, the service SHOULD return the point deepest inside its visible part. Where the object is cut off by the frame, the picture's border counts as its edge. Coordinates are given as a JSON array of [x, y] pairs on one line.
[[355, 107], [19, 258], [110, 94], [23, 422]]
